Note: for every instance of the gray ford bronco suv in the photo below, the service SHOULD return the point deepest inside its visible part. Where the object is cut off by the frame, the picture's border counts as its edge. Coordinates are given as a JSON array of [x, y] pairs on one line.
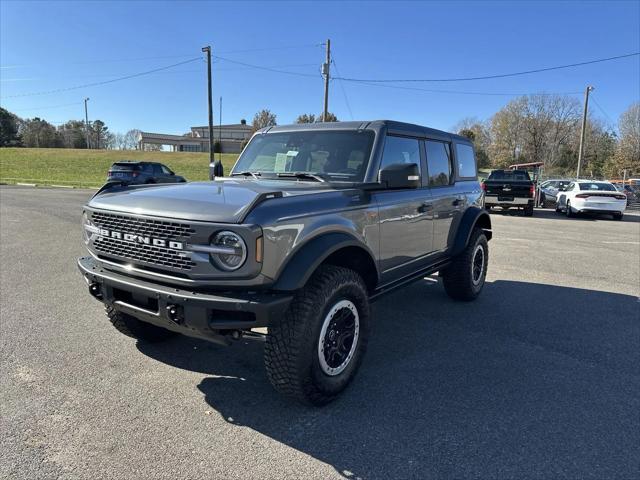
[[313, 223]]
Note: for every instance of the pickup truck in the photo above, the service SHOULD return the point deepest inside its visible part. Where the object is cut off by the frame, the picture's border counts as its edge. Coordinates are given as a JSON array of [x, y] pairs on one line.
[[509, 189], [314, 223]]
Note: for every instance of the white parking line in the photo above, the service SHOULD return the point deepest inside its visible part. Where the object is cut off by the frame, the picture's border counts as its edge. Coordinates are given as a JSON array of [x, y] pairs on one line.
[[626, 243]]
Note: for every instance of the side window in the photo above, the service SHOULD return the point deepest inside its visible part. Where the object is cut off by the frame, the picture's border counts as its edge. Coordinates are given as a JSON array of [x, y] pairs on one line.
[[570, 187], [438, 163], [466, 161], [400, 150], [156, 169], [165, 170]]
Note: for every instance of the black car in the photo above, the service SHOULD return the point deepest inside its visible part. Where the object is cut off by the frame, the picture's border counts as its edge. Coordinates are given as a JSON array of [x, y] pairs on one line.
[[142, 172]]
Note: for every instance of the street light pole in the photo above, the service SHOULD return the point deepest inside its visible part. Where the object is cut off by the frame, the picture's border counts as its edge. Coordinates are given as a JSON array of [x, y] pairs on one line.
[[584, 128], [86, 122]]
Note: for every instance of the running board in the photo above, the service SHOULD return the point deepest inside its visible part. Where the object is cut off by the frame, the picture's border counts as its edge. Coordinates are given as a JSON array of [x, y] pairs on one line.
[[401, 282]]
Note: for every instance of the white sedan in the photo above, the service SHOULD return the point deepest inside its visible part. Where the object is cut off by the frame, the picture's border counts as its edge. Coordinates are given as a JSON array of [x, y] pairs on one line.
[[583, 196]]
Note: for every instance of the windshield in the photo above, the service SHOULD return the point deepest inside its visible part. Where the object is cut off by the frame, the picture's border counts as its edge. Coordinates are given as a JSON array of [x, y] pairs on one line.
[[331, 155], [597, 186], [509, 175]]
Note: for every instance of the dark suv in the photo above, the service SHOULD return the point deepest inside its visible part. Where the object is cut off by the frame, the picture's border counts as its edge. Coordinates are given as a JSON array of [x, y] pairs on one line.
[[142, 172], [314, 223]]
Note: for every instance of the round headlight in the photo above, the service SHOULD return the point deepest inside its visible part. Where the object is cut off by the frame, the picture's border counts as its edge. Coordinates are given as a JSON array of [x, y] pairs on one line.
[[88, 228], [229, 251]]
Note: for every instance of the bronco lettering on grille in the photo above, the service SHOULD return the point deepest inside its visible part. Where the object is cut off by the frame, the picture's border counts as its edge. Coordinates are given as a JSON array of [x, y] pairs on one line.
[[142, 239]]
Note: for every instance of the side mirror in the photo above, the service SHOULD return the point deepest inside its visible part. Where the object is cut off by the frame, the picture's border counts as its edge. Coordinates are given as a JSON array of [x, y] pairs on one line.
[[562, 188], [400, 175]]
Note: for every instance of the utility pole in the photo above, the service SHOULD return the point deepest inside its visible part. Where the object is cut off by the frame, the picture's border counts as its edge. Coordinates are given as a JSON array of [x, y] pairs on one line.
[[86, 122], [325, 73], [215, 168], [584, 128], [220, 133]]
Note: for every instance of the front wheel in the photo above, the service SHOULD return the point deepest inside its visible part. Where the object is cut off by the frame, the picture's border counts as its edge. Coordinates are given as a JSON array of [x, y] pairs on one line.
[[314, 351], [465, 277]]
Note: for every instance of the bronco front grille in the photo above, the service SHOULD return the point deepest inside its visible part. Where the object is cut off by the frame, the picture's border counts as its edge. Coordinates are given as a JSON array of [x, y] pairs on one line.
[[162, 257], [142, 226], [155, 255]]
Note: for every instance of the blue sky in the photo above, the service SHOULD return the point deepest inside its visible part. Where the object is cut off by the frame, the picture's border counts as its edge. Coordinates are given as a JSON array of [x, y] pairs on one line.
[[54, 45]]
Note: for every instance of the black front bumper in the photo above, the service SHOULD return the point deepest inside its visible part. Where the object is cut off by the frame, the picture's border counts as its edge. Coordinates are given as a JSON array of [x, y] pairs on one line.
[[202, 315]]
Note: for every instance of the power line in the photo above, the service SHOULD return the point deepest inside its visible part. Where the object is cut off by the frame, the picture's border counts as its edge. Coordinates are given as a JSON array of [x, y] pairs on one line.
[[613, 124], [164, 57], [344, 92], [487, 77], [459, 92], [47, 107], [268, 69], [95, 84]]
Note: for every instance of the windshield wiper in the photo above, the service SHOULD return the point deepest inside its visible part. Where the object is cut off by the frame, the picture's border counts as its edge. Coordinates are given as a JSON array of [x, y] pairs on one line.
[[302, 176], [247, 173]]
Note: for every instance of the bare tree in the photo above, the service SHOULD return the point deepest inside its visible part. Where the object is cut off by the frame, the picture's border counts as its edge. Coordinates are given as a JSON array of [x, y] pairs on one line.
[[131, 138], [264, 118], [627, 155]]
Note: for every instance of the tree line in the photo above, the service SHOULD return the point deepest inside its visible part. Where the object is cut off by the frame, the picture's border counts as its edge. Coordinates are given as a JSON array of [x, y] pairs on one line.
[[531, 128], [38, 133], [546, 128]]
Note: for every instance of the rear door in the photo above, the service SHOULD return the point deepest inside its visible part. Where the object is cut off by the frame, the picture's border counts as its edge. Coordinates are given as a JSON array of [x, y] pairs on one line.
[[448, 200], [405, 215]]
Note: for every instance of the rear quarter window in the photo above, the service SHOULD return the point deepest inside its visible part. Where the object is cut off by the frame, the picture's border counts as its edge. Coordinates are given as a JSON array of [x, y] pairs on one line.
[[466, 161]]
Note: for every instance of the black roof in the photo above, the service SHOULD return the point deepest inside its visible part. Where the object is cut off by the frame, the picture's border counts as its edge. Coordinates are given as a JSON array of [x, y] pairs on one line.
[[136, 162], [390, 125]]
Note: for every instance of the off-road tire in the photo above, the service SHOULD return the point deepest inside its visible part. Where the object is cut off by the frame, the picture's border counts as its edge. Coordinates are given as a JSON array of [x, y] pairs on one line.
[[457, 278], [528, 210], [291, 351], [134, 328]]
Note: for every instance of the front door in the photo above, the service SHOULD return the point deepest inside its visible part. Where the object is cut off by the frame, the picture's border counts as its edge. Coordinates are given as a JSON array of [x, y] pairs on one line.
[[405, 215]]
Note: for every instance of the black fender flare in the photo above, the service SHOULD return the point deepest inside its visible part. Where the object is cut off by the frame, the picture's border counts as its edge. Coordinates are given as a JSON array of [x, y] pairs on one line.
[[307, 258], [472, 217]]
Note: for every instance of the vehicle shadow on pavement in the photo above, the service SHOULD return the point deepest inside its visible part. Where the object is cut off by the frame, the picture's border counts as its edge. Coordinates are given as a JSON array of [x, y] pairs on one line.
[[531, 380]]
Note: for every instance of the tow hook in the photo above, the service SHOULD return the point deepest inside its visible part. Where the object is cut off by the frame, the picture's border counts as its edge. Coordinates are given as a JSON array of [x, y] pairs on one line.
[[175, 313], [95, 290]]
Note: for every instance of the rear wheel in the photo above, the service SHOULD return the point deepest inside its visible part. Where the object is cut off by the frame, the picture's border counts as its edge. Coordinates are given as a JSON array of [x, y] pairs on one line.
[[568, 210], [465, 277], [528, 210], [314, 351], [134, 328]]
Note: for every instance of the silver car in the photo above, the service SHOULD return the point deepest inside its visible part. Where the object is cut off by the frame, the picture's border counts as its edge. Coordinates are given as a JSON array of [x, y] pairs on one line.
[[549, 192]]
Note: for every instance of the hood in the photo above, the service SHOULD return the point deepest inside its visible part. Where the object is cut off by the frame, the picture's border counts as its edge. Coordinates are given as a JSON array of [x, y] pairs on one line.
[[222, 200]]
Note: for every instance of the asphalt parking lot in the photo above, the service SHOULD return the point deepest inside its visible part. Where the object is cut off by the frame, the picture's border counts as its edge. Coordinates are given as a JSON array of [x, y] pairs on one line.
[[539, 378]]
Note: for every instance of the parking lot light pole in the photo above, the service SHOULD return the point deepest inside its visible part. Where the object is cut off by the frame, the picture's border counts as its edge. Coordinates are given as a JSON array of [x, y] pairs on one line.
[[584, 127]]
